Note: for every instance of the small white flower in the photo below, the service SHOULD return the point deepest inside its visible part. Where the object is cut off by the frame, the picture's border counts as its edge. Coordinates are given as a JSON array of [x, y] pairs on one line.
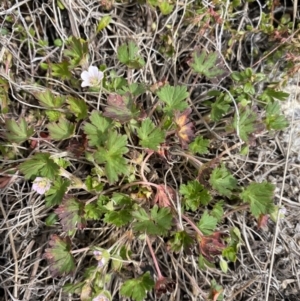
[[101, 297], [282, 212], [101, 260], [92, 77], [41, 185]]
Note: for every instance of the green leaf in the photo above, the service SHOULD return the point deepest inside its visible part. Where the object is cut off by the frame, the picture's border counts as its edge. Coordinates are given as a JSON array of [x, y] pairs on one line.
[[97, 131], [150, 135], [236, 76], [49, 100], [18, 132], [216, 291], [223, 181], [219, 108], [199, 145], [260, 198], [218, 211], [78, 107], [61, 70], [270, 95], [134, 89], [93, 211], [56, 192], [274, 119], [207, 223], [71, 213], [51, 219], [246, 124], [62, 130], [104, 22], [92, 183], [173, 97], [230, 253], [112, 155], [136, 289], [40, 165], [158, 223], [118, 218], [205, 64], [121, 199], [120, 108], [248, 88], [128, 55], [181, 240], [165, 7], [223, 265], [77, 51], [53, 115], [203, 263], [59, 257], [194, 195]]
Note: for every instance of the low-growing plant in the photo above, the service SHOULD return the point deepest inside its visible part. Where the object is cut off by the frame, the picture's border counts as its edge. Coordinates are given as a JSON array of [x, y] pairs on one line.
[[117, 143]]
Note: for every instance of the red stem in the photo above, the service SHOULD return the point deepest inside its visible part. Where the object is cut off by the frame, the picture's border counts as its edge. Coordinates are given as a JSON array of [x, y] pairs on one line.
[[193, 225], [154, 258]]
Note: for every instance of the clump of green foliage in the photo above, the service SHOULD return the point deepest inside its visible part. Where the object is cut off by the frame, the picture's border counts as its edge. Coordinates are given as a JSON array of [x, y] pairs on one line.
[[118, 140]]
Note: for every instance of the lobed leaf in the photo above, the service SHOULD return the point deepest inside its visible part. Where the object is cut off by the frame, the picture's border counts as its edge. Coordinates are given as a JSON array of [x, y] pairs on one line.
[[128, 55], [18, 132], [245, 124], [96, 131], [185, 128], [61, 261], [119, 218], [49, 99], [136, 289], [207, 223], [71, 215], [56, 192], [112, 156], [274, 119], [173, 97], [78, 107], [40, 165], [150, 135], [223, 181], [260, 198], [194, 195], [181, 240], [62, 130], [199, 145], [158, 223], [120, 108], [205, 64]]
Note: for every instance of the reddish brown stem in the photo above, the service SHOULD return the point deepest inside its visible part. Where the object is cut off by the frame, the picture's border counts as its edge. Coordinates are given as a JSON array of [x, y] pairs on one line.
[[192, 225], [159, 275]]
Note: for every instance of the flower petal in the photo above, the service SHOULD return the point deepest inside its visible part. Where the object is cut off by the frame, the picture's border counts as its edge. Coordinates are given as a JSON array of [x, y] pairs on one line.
[[93, 71], [85, 84], [85, 75], [100, 75]]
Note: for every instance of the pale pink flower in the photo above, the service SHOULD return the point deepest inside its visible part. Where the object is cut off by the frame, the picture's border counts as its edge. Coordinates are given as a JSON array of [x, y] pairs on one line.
[[41, 185], [101, 297], [92, 77]]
